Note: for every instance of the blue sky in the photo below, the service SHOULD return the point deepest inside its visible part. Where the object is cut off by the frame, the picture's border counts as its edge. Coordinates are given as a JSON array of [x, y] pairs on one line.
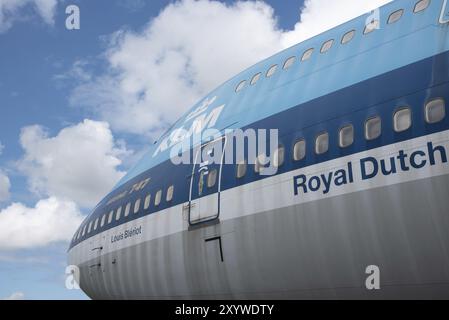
[[96, 94]]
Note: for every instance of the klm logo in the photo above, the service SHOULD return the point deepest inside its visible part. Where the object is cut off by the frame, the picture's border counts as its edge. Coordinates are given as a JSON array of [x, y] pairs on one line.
[[194, 125]]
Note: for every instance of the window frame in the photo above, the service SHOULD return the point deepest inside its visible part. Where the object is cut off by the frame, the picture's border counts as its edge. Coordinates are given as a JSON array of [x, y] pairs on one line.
[[243, 164], [426, 107], [291, 61], [147, 201], [389, 21], [323, 133], [349, 125], [103, 220], [240, 86], [331, 41], [215, 179], [422, 9], [96, 223], [170, 191], [276, 164], [257, 76], [271, 70], [398, 110], [353, 32], [111, 216], [136, 207], [294, 149], [118, 213], [158, 198], [127, 209], [306, 56], [366, 126]]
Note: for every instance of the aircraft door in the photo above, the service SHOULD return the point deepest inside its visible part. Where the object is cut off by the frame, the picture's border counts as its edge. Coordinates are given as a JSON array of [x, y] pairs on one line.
[[205, 183]]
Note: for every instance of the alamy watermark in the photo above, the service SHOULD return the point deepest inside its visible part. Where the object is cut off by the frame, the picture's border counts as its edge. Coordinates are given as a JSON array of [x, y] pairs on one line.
[[72, 280]]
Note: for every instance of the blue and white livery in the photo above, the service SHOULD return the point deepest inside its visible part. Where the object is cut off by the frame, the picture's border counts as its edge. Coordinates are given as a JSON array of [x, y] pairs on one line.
[[362, 178]]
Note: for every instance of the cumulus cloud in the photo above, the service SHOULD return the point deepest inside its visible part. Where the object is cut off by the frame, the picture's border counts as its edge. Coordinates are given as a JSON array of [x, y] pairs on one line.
[[188, 49], [320, 15], [191, 47], [16, 296], [51, 220], [80, 163], [5, 185], [12, 10]]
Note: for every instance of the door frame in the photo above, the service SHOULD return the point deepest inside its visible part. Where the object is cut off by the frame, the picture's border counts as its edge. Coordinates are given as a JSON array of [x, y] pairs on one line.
[[201, 221]]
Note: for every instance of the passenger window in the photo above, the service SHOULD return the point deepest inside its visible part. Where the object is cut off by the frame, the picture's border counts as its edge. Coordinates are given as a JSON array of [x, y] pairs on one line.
[[96, 224], [118, 213], [103, 220], [348, 37], [279, 157], [307, 55], [241, 169], [373, 128], [346, 136], [272, 70], [395, 16], [84, 230], [147, 202], [261, 161], [255, 78], [212, 178], [370, 27], [240, 86], [299, 150], [289, 62], [402, 120], [127, 209], [322, 143], [157, 199], [169, 196], [435, 111], [89, 229], [137, 206], [111, 214], [327, 46], [421, 6]]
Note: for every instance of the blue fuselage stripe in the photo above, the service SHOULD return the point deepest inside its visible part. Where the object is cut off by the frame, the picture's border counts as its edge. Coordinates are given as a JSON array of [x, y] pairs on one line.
[[412, 86]]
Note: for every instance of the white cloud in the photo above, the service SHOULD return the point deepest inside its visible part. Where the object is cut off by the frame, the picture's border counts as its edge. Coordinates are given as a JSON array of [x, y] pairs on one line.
[[321, 15], [79, 163], [5, 185], [51, 220], [13, 10], [190, 48], [16, 296]]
